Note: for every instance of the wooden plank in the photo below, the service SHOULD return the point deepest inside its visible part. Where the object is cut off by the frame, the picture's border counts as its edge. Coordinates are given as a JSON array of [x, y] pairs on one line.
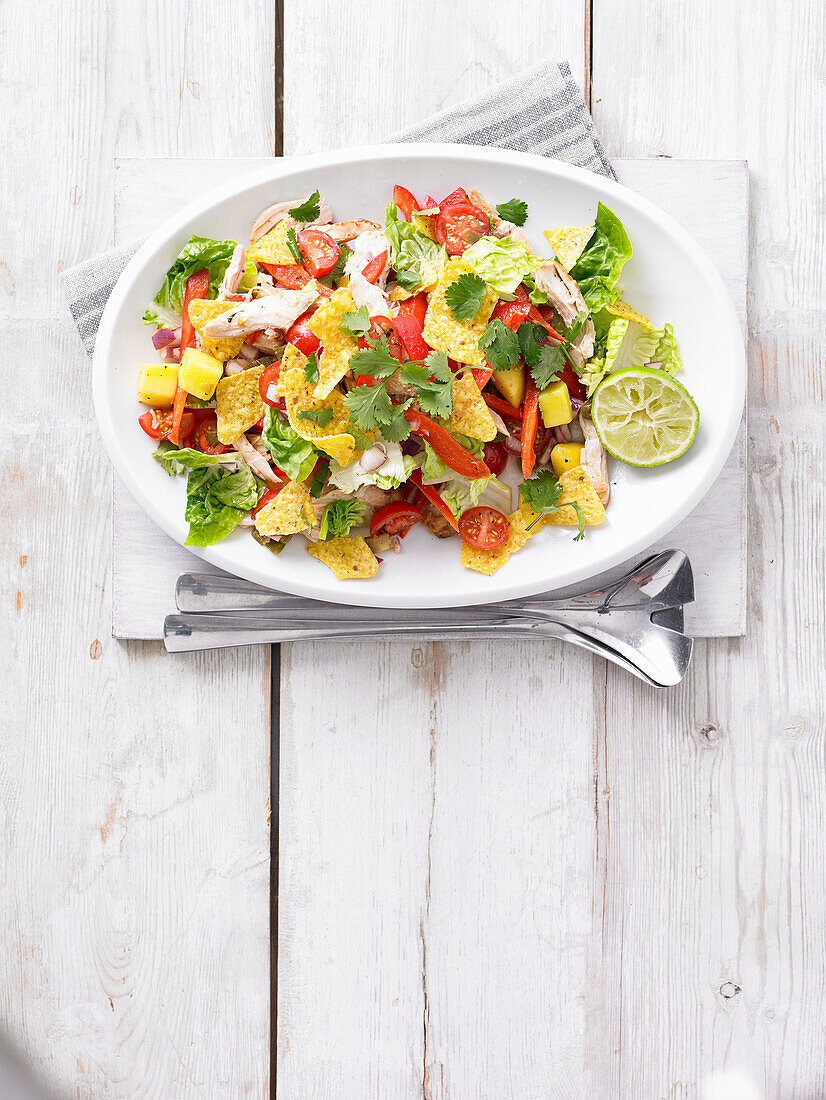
[[709, 945], [710, 198], [426, 831], [133, 879]]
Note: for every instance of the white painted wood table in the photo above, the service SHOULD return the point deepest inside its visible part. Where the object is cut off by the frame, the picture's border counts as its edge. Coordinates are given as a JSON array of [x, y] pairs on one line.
[[496, 878]]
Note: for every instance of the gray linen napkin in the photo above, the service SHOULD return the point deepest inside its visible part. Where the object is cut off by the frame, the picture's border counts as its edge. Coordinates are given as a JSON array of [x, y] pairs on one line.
[[539, 111]]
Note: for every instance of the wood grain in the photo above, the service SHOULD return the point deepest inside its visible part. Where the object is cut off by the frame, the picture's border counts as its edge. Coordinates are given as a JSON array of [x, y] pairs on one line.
[[133, 786], [712, 949]]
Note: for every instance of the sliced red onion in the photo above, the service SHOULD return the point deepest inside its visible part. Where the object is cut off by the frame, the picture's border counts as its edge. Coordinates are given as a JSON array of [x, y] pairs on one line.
[[373, 459], [411, 447], [513, 445], [272, 392], [499, 422], [166, 338], [247, 352], [576, 405], [171, 354], [656, 364]]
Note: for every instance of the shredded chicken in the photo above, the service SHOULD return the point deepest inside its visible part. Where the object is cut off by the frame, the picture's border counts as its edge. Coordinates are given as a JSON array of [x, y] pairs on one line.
[[270, 342], [593, 460], [233, 366], [234, 271], [366, 246], [435, 522], [270, 217], [256, 462], [346, 231], [276, 311], [375, 497], [562, 291]]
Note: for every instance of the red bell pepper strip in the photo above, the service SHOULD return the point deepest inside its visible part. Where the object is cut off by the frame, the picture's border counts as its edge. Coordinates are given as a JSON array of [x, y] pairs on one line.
[[197, 286], [430, 494], [571, 380], [270, 494], [530, 422], [504, 408], [449, 449], [481, 376], [409, 331], [512, 314], [292, 276], [375, 267], [414, 307]]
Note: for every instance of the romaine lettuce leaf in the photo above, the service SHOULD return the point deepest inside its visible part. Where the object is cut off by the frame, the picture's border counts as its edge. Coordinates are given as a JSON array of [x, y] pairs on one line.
[[410, 249], [665, 350], [462, 493], [502, 262], [216, 499], [198, 253], [176, 460], [394, 472], [435, 470], [292, 454], [600, 264], [338, 517]]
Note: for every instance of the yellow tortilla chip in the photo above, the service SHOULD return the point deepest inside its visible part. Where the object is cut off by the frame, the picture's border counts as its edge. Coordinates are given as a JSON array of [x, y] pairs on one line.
[[458, 339], [202, 310], [470, 413], [628, 313], [351, 559], [332, 437], [568, 242], [238, 403], [575, 486], [288, 513], [424, 223], [488, 561], [272, 248], [397, 293], [337, 346]]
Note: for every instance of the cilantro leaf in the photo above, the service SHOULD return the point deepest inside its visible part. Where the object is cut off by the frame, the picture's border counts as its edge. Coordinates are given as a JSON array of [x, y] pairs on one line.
[[319, 478], [433, 380], [309, 210], [356, 323], [374, 360], [292, 244], [332, 277], [550, 365], [407, 278], [370, 406], [514, 210], [397, 429], [531, 337], [338, 517], [542, 492], [500, 345], [464, 297], [311, 368], [361, 441], [322, 417]]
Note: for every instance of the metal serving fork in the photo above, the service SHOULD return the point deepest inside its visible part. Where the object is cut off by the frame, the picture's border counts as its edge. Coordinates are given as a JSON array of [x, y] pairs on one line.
[[635, 621]]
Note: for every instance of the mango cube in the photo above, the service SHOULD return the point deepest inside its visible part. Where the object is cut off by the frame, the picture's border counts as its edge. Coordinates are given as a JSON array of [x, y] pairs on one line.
[[157, 383], [565, 456], [511, 384], [555, 405], [200, 373]]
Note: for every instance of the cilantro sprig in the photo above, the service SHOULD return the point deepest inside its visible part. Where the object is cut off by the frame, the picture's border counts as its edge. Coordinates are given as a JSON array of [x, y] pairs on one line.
[[356, 323], [292, 244], [500, 345], [545, 361], [308, 210], [322, 417], [542, 493], [433, 380], [464, 296], [311, 367], [514, 210]]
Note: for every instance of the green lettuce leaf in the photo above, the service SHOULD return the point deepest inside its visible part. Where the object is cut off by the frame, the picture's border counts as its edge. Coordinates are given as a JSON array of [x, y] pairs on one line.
[[338, 517], [600, 264], [198, 253], [462, 493], [501, 262], [390, 475], [665, 350], [216, 500], [292, 454], [410, 249], [435, 470], [176, 460]]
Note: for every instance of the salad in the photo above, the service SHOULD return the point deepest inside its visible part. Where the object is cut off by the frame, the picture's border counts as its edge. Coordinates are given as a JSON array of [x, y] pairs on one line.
[[347, 381]]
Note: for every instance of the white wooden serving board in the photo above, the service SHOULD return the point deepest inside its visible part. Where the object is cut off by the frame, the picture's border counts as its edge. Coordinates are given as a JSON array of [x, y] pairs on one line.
[[709, 198]]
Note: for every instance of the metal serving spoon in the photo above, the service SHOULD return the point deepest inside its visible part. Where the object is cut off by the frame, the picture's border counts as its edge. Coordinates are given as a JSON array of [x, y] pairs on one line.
[[635, 621]]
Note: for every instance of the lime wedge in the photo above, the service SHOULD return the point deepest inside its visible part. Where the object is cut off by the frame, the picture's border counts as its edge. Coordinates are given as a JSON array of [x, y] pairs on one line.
[[644, 416]]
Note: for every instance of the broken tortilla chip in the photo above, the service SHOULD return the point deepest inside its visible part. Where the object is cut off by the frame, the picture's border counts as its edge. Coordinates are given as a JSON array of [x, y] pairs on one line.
[[336, 346], [470, 413], [568, 242], [202, 310], [332, 436], [575, 486], [458, 339], [272, 248], [288, 513], [488, 561], [628, 313], [238, 403], [351, 559]]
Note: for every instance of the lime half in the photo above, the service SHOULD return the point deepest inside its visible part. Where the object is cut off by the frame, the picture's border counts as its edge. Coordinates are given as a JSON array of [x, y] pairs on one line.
[[644, 416]]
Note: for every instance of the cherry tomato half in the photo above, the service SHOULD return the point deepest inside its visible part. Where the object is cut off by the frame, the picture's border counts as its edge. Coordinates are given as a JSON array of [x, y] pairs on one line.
[[269, 377], [405, 200], [395, 518], [320, 252], [299, 334], [159, 423], [206, 436], [374, 268], [292, 276], [495, 455], [383, 326], [484, 528], [459, 225], [459, 195]]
